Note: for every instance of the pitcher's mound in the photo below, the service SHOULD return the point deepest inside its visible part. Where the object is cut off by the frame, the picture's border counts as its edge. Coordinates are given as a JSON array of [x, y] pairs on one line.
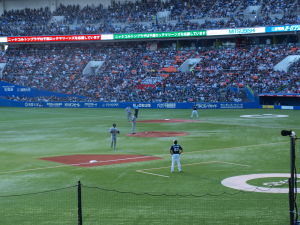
[[157, 134], [167, 121]]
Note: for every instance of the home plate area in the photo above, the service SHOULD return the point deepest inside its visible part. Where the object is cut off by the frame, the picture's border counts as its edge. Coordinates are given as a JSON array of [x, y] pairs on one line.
[[98, 160]]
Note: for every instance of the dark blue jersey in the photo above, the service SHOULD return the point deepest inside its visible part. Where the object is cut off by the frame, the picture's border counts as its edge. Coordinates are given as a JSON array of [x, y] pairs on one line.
[[175, 149], [194, 107]]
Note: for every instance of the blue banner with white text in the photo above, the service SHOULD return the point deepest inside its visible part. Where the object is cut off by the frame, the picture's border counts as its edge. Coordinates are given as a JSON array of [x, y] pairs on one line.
[[283, 28], [145, 105], [8, 89]]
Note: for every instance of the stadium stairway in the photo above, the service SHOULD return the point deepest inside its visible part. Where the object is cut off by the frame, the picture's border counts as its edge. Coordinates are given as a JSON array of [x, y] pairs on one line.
[[285, 64], [189, 64]]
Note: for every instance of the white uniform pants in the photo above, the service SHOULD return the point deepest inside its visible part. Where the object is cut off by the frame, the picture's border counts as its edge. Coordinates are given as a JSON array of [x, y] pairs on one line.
[[133, 127], [195, 114], [113, 142], [129, 115], [176, 159]]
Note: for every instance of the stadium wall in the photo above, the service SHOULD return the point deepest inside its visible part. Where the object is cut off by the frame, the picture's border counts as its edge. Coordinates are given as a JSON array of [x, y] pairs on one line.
[[145, 105], [8, 90]]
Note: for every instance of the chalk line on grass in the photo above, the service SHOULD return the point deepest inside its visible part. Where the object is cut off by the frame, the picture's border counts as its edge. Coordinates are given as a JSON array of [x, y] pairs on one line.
[[231, 163], [154, 174], [184, 165], [212, 121], [232, 148], [74, 164], [236, 148]]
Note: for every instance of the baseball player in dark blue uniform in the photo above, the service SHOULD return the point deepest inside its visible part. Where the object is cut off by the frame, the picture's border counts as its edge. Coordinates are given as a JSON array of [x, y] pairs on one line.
[[175, 151], [136, 110]]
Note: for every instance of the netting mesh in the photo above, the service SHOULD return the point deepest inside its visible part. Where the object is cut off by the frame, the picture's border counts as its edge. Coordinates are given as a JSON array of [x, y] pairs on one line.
[[55, 207], [103, 206], [113, 207]]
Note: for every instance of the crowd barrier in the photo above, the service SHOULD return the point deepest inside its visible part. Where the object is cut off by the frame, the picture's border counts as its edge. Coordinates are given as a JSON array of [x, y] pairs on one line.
[[7, 89], [147, 105]]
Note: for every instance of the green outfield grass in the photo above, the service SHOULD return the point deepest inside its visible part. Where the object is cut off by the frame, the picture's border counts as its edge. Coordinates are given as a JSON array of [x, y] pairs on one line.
[[220, 145]]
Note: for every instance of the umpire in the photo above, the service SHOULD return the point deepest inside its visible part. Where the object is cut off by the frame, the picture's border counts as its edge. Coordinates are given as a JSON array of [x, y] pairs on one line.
[[175, 151]]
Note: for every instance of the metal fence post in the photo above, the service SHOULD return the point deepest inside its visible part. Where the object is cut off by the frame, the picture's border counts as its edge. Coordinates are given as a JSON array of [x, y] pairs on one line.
[[79, 205]]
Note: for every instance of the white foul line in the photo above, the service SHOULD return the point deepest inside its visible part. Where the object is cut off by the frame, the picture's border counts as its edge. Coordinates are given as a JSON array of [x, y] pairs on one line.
[[238, 164], [160, 175], [191, 164], [75, 164], [230, 148], [208, 150]]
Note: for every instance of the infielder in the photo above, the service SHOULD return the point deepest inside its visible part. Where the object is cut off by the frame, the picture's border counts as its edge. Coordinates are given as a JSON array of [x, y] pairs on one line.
[[133, 122], [195, 112], [129, 113], [136, 110], [114, 131], [175, 151]]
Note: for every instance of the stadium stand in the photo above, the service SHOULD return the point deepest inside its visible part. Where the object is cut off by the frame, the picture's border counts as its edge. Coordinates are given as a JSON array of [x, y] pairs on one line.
[[136, 73], [145, 17]]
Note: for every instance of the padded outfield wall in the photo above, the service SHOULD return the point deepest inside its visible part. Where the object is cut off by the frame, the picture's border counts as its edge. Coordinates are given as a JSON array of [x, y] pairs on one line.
[[145, 105], [11, 90]]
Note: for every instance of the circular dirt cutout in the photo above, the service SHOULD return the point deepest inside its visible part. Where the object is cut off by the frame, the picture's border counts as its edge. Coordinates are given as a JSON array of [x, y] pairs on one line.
[[240, 183], [157, 134]]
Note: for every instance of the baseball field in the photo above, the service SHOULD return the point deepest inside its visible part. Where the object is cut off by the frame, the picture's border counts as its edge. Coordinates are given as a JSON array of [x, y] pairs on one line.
[[235, 167]]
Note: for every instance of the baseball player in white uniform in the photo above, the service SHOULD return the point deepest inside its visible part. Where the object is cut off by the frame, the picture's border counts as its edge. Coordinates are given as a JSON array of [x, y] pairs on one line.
[[133, 122], [195, 112], [175, 151], [129, 113], [114, 131]]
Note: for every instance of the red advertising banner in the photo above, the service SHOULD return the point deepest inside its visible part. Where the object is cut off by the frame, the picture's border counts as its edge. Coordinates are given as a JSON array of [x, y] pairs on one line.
[[92, 37]]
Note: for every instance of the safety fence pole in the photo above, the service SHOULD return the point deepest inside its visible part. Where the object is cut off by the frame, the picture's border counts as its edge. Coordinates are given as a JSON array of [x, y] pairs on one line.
[[79, 203]]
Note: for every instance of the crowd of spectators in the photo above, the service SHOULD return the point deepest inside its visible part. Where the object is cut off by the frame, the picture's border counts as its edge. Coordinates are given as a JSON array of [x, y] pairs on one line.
[[133, 72], [147, 16]]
